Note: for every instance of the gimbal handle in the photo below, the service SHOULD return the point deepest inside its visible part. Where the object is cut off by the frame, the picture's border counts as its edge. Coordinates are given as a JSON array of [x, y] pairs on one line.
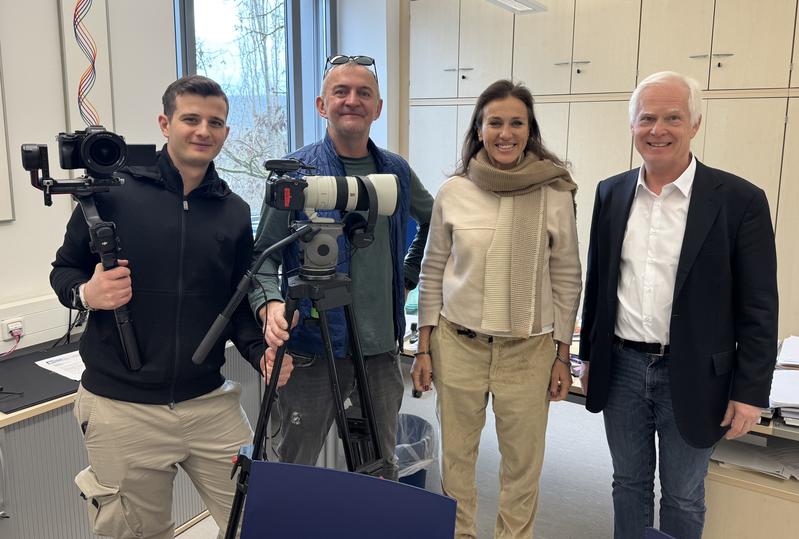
[[103, 241]]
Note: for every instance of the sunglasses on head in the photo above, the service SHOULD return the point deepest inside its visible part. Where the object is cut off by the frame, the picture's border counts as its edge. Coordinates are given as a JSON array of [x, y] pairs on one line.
[[342, 59]]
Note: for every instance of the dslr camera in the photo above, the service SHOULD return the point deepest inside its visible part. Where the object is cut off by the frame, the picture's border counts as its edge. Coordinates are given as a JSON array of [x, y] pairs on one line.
[[99, 151]]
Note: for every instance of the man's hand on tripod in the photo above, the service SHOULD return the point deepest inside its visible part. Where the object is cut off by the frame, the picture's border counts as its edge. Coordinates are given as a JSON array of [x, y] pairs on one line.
[[268, 363], [109, 289], [273, 316]]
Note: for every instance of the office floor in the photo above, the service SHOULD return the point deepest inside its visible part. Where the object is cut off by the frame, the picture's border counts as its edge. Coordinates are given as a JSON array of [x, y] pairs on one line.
[[575, 500]]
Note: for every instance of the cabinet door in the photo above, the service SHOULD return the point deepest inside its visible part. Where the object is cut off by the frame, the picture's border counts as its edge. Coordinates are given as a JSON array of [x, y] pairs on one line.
[[605, 45], [464, 119], [486, 46], [676, 36], [553, 121], [542, 48], [599, 147], [752, 44], [431, 145], [787, 225], [434, 48], [745, 136]]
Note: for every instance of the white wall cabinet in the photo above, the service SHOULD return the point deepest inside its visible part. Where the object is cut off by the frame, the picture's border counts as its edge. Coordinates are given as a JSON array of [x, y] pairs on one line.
[[458, 47], [599, 145], [542, 48], [486, 46], [744, 137], [605, 45], [752, 44], [723, 44], [432, 147], [434, 48], [676, 35], [601, 57]]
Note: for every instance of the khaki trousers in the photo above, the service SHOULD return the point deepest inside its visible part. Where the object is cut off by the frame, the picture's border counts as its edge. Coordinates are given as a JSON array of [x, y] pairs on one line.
[[516, 373], [134, 450]]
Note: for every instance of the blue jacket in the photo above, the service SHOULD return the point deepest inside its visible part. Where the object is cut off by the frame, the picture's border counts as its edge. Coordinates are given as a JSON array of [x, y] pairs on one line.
[[322, 155]]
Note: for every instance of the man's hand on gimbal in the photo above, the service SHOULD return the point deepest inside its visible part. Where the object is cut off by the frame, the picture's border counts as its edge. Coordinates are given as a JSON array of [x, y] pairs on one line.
[[109, 289], [273, 316]]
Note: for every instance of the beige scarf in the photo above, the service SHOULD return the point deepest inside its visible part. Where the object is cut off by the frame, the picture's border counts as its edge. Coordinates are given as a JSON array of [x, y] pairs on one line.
[[517, 249]]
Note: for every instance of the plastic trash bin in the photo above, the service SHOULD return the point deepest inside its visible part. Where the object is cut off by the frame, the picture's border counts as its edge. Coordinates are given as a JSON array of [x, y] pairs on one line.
[[416, 449]]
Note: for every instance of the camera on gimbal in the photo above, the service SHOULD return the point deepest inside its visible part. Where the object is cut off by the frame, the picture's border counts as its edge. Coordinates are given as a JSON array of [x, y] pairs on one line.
[[101, 152]]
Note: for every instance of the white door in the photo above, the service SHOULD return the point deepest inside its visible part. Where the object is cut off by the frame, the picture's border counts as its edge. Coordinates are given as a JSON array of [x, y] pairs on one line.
[[599, 147], [676, 36], [431, 144], [486, 46], [553, 121], [752, 44], [605, 45], [434, 48], [744, 137], [542, 48]]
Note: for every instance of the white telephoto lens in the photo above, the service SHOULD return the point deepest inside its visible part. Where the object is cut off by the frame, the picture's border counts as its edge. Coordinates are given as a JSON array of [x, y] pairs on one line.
[[344, 193]]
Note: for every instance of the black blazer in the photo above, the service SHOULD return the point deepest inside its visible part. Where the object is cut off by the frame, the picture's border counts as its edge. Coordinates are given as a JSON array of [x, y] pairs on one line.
[[723, 327]]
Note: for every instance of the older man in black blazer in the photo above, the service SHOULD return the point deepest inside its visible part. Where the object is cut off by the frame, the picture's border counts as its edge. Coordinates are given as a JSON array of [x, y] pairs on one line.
[[680, 312]]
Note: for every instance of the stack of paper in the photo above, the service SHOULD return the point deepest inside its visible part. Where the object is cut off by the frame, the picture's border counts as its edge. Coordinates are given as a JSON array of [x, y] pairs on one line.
[[749, 457], [785, 394], [788, 358]]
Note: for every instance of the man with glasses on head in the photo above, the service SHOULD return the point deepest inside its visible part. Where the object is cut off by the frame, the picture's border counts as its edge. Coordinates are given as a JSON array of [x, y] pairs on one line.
[[381, 275]]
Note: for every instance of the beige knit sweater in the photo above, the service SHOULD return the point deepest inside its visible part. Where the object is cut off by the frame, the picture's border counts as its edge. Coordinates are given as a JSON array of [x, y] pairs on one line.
[[453, 270]]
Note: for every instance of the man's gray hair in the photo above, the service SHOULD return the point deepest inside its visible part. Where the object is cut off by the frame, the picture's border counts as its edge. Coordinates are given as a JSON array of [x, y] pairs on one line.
[[694, 93]]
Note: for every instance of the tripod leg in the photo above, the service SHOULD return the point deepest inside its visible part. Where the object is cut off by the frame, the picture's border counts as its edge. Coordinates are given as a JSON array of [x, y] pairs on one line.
[[341, 418], [362, 382], [243, 462]]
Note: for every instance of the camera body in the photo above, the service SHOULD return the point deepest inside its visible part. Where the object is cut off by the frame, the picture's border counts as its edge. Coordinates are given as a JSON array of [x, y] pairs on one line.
[[96, 149]]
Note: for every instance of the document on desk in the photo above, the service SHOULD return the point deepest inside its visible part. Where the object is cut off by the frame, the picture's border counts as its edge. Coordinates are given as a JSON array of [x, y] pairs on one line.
[[785, 388], [789, 353], [69, 365], [747, 457]]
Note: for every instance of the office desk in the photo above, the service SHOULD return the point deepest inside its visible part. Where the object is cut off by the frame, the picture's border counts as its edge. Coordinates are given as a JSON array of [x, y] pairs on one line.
[[41, 450]]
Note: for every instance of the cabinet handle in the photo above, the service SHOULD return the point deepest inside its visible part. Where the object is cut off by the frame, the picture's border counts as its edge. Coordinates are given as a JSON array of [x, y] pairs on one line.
[[694, 56], [562, 63], [451, 69], [581, 62], [463, 77], [723, 54], [466, 69]]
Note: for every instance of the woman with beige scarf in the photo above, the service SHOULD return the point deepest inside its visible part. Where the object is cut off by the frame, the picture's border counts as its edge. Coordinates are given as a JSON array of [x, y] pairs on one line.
[[499, 290]]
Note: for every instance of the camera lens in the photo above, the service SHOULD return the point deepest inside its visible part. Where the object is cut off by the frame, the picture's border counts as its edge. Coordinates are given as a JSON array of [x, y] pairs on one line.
[[103, 153]]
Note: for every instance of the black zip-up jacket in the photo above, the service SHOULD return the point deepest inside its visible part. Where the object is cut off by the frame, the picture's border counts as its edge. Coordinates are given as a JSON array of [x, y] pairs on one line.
[[186, 258]]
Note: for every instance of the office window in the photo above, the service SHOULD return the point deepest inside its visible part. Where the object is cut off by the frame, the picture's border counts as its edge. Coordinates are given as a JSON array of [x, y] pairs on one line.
[[268, 56]]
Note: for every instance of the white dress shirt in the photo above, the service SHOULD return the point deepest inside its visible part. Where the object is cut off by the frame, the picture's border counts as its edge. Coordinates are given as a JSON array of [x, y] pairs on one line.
[[649, 257]]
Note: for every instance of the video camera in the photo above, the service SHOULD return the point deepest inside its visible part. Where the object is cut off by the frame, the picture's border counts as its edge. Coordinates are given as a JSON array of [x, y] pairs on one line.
[[376, 194], [99, 151]]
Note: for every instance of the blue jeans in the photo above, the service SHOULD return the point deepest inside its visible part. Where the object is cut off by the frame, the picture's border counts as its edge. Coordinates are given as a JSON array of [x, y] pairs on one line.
[[639, 405], [307, 408]]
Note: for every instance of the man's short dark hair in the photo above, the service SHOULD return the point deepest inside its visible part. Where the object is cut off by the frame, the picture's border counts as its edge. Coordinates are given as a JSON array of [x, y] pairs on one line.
[[191, 84]]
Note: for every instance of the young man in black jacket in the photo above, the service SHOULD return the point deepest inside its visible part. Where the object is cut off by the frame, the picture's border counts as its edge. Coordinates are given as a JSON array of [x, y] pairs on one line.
[[186, 241]]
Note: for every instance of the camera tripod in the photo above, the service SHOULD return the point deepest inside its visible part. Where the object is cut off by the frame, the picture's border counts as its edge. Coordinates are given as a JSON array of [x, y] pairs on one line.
[[359, 435]]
